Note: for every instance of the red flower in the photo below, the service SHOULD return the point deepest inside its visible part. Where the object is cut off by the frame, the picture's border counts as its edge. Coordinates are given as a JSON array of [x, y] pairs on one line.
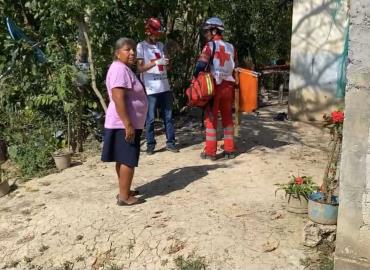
[[337, 117], [298, 180]]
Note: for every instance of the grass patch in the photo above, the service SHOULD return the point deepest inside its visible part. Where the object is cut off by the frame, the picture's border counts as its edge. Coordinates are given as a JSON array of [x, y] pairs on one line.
[[322, 259], [112, 266], [190, 263]]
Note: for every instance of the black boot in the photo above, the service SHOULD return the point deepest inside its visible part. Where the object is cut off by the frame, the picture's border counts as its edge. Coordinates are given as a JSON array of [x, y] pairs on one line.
[[229, 155], [203, 155]]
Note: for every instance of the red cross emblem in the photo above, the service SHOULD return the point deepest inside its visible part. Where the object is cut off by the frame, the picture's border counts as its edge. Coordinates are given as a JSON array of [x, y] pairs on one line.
[[157, 56], [222, 55]]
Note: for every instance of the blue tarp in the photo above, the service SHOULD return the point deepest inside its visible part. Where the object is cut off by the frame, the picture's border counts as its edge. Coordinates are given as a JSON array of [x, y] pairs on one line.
[[17, 34]]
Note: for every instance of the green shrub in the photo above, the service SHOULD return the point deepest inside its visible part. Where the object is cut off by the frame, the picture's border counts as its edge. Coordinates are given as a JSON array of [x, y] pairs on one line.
[[31, 140], [34, 155]]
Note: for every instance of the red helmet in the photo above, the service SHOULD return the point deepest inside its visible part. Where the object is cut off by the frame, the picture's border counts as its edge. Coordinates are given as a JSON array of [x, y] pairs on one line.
[[153, 26]]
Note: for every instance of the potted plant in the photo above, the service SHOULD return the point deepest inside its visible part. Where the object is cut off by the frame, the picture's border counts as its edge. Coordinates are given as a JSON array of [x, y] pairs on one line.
[[323, 205], [62, 156], [297, 191]]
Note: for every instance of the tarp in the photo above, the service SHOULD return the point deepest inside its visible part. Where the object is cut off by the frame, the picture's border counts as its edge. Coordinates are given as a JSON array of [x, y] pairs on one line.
[[17, 34]]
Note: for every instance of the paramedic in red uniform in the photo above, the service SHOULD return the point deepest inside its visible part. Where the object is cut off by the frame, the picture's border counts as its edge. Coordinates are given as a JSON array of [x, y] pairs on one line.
[[222, 68]]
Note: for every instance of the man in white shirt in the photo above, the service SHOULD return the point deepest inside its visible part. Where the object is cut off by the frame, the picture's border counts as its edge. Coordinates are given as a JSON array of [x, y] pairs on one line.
[[152, 65]]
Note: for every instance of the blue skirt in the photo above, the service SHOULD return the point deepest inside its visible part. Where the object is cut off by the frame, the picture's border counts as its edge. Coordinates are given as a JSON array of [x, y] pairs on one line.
[[117, 149]]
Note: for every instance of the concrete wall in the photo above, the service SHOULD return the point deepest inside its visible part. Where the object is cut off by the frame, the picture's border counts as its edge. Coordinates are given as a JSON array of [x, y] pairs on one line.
[[353, 238], [318, 39]]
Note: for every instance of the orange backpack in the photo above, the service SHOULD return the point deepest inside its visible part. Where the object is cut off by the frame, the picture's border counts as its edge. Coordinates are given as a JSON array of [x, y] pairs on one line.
[[202, 88]]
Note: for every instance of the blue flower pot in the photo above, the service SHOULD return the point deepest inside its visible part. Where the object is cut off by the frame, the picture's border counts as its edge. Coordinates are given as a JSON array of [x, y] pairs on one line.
[[321, 212]]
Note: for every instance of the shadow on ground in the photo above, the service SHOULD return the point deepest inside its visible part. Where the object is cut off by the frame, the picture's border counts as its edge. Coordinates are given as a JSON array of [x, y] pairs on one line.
[[262, 131], [176, 179], [257, 130]]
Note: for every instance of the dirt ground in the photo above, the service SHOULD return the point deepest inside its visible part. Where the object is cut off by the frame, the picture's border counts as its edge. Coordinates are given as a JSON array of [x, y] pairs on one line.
[[224, 214]]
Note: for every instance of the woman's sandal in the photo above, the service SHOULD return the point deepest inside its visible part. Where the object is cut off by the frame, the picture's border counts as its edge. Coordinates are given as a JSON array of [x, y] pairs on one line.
[[134, 192], [123, 203]]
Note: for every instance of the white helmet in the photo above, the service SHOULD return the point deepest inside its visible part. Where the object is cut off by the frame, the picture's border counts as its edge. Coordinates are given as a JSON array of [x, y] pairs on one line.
[[214, 22]]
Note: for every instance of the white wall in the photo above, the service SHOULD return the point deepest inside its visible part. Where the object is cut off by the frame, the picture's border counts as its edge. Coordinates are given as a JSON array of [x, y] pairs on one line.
[[318, 39]]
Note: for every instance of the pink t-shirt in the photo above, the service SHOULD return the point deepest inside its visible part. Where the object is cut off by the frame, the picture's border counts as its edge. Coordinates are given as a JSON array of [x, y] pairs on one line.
[[121, 76]]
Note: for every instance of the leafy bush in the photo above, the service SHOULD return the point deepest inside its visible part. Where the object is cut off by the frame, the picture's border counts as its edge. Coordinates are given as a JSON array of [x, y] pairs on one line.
[[31, 140], [30, 160]]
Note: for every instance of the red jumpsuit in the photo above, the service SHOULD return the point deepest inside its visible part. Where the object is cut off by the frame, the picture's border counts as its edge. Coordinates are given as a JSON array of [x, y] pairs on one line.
[[222, 68]]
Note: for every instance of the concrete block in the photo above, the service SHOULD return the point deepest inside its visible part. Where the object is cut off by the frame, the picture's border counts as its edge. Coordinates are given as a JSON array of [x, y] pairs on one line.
[[314, 233]]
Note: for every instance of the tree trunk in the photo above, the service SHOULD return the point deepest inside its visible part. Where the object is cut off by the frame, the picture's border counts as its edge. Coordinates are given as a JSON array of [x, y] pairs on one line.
[[81, 59], [329, 175], [3, 151], [80, 135], [82, 52], [92, 69]]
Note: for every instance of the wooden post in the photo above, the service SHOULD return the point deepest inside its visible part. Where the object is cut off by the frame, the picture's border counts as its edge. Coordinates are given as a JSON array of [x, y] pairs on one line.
[[68, 132], [281, 94], [236, 105]]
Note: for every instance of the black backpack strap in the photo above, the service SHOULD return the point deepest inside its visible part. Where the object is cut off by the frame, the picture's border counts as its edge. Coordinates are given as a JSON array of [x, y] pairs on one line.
[[213, 51], [208, 67]]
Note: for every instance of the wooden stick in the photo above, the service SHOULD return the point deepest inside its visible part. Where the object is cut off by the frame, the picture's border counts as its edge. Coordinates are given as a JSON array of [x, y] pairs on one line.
[[237, 112], [236, 105], [68, 133], [326, 181], [92, 69]]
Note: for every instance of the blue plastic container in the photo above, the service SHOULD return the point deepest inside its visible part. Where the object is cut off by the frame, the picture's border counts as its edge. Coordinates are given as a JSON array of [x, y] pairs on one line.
[[321, 212]]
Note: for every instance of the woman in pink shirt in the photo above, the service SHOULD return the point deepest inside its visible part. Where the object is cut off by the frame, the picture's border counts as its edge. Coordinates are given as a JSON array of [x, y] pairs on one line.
[[124, 120]]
